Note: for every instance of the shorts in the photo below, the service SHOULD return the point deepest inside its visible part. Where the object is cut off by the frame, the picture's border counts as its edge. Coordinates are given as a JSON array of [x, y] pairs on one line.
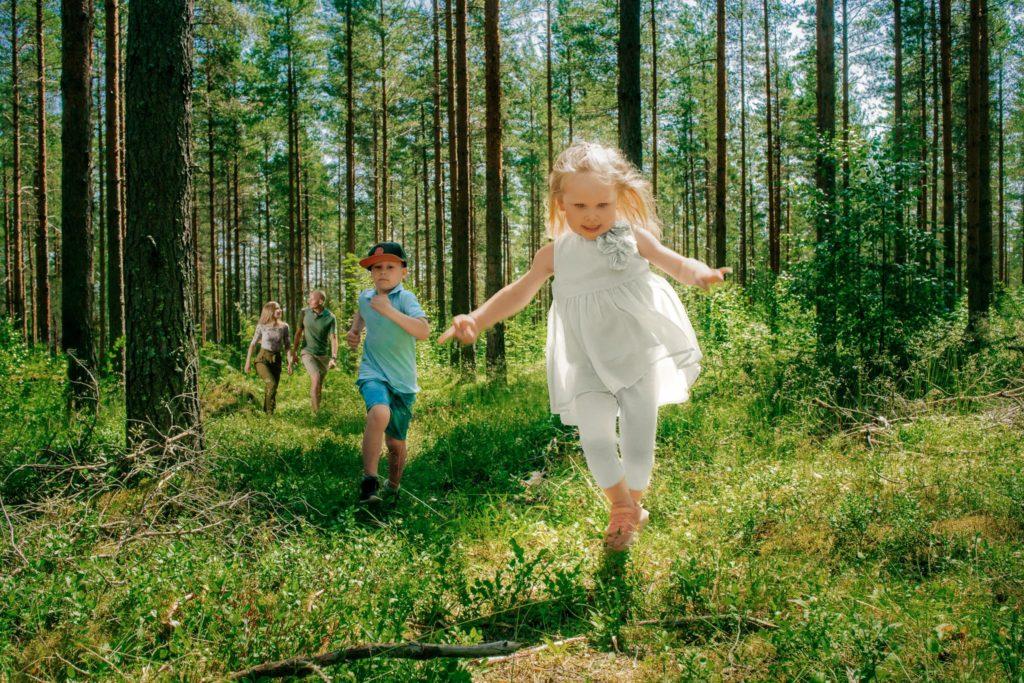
[[375, 392], [315, 365]]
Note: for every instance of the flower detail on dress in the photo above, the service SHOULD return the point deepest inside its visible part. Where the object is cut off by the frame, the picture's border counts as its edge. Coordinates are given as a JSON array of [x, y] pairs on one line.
[[618, 244]]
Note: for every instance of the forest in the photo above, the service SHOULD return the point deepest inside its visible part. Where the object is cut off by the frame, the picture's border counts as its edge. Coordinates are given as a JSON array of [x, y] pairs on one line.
[[841, 498]]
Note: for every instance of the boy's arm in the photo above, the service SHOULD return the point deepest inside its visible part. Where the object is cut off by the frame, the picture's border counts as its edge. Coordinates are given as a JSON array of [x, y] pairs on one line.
[[355, 331], [417, 327], [686, 270], [507, 302]]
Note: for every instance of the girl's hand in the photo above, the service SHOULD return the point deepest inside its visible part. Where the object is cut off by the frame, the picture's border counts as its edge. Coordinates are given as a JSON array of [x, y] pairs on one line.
[[711, 276], [247, 368], [463, 328], [290, 364]]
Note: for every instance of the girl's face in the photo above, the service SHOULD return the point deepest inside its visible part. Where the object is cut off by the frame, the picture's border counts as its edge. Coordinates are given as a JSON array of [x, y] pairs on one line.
[[278, 312], [590, 205]]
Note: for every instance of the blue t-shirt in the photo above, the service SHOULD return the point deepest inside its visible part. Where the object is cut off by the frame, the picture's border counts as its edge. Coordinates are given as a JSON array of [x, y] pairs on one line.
[[389, 352]]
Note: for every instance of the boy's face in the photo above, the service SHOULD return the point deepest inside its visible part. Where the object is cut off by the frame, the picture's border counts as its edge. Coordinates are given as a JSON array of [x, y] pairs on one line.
[[387, 275], [590, 205]]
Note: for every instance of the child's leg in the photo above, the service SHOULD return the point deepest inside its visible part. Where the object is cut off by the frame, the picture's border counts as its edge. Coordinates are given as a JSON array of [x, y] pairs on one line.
[[638, 426], [596, 413], [373, 436], [398, 452]]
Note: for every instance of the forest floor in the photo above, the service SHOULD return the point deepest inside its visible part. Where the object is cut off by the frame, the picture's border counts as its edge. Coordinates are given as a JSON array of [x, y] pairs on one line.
[[784, 543]]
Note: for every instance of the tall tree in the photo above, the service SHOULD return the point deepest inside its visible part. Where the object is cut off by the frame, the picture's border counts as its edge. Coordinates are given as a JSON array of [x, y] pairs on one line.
[[42, 230], [979, 199], [948, 203], [824, 170], [76, 230], [114, 217], [630, 127], [461, 295], [438, 178], [16, 269], [654, 101], [897, 128], [720, 148], [492, 89], [350, 131], [743, 150], [161, 378], [1001, 211], [774, 261]]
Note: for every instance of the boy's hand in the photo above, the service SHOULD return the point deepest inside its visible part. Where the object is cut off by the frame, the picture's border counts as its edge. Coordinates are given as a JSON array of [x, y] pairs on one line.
[[381, 303], [331, 364], [353, 338], [247, 369], [711, 276], [463, 328]]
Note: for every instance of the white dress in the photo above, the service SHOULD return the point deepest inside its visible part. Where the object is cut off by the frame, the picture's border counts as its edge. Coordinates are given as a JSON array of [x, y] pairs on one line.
[[611, 321]]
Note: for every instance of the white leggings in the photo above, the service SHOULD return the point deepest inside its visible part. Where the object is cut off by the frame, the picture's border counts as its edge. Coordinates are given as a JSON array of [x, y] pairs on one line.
[[637, 406]]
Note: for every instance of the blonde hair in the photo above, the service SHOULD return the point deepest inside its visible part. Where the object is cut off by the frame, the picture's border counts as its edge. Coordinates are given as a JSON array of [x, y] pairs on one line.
[[636, 201], [267, 313]]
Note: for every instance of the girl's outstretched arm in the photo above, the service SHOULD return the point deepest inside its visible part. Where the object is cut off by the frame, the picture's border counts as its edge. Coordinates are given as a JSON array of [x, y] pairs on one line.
[[507, 302], [687, 270]]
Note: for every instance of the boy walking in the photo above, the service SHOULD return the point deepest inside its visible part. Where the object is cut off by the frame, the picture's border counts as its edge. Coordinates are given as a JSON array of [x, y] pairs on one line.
[[394, 321]]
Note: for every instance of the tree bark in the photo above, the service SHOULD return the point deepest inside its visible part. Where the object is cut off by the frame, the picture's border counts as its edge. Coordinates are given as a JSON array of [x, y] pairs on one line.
[[17, 271], [350, 153], [439, 296], [948, 200], [211, 187], [979, 200], [824, 171], [461, 273], [42, 228], [654, 101], [76, 194], [630, 133], [897, 132], [720, 148], [492, 90], [162, 396], [743, 151], [774, 262], [114, 217]]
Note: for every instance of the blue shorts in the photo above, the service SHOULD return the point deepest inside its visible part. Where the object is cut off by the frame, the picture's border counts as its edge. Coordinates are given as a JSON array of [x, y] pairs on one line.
[[375, 392]]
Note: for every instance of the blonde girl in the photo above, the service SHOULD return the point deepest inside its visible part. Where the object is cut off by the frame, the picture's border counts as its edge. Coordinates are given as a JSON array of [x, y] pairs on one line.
[[273, 337], [619, 341]]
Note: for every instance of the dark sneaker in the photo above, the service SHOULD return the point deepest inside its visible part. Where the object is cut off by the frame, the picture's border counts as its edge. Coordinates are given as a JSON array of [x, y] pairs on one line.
[[389, 492], [368, 491]]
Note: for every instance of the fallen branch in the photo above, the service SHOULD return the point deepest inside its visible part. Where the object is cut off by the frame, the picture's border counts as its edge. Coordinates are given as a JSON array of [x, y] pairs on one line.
[[530, 650], [708, 619], [304, 666]]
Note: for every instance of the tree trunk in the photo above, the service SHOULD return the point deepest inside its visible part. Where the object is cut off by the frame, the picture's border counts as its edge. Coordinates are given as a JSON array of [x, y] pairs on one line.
[[460, 222], [17, 271], [897, 133], [439, 296], [214, 302], [492, 89], [774, 261], [824, 171], [933, 254], [114, 217], [1001, 246], [384, 172], [654, 102], [979, 200], [743, 151], [547, 62], [162, 362], [846, 112], [350, 153], [720, 148], [630, 133], [948, 200], [76, 242], [425, 176], [42, 229]]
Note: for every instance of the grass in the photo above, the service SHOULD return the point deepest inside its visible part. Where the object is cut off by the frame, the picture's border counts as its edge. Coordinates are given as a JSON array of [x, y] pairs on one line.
[[897, 556]]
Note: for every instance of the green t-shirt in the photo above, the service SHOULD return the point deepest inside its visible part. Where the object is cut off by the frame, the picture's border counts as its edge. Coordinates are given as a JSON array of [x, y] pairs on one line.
[[316, 330]]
